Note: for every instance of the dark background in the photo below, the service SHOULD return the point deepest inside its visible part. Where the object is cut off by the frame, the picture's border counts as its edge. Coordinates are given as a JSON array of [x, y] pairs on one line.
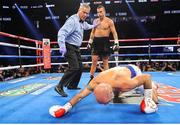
[[153, 19]]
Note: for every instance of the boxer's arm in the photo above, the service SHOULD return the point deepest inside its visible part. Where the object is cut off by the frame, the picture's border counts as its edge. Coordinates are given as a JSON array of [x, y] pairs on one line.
[[116, 42], [113, 30], [148, 104], [59, 111], [87, 26], [92, 34], [89, 46], [144, 79], [85, 92]]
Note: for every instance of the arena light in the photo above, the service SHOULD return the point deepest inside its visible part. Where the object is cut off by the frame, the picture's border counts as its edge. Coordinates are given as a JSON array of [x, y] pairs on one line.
[[24, 7], [154, 0], [175, 11], [29, 24], [36, 6], [137, 21], [142, 1], [107, 2], [171, 11], [166, 0], [53, 19], [97, 2], [118, 1], [130, 1], [49, 5], [85, 2], [5, 7], [5, 19], [121, 13]]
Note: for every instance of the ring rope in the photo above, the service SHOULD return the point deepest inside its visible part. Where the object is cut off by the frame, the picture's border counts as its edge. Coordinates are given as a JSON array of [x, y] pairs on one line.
[[171, 45], [20, 37], [23, 66], [19, 46], [39, 47], [135, 40], [35, 48], [13, 56], [120, 61], [125, 61], [8, 44], [137, 54]]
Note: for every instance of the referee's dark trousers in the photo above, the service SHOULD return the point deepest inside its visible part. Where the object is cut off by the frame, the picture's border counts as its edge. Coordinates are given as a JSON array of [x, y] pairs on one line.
[[72, 76]]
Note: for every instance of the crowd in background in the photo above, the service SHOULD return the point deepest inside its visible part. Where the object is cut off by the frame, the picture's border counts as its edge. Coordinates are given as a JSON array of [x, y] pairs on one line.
[[24, 72], [9, 74]]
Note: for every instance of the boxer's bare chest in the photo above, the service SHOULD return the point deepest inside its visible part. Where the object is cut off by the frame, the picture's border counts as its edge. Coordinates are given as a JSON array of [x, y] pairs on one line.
[[104, 25]]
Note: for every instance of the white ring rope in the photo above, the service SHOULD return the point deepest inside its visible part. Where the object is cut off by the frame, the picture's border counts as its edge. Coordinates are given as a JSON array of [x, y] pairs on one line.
[[39, 47], [23, 66], [28, 47], [8, 44], [21, 46], [125, 61], [140, 46], [119, 61]]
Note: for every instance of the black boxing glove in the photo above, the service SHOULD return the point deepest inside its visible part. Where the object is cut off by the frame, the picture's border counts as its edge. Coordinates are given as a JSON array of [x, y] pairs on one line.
[[89, 46], [116, 45]]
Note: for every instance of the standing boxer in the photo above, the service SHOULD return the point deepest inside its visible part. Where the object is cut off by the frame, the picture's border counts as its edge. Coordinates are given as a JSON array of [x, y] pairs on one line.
[[99, 40]]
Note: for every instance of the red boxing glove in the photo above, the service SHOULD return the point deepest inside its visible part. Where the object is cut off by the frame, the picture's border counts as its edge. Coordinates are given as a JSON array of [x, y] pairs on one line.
[[58, 111], [148, 106]]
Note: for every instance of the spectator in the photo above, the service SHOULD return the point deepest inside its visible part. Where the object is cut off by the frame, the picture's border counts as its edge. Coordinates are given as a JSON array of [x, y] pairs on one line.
[[168, 67]]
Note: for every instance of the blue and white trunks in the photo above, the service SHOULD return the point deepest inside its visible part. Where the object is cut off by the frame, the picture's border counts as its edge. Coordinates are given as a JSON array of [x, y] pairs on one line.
[[134, 70]]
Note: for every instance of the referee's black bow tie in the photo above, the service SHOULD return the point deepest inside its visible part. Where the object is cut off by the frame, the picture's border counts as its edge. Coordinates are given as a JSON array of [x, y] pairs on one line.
[[81, 21]]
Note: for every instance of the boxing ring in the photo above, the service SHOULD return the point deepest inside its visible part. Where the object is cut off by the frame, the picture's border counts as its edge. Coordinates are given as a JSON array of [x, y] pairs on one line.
[[27, 99]]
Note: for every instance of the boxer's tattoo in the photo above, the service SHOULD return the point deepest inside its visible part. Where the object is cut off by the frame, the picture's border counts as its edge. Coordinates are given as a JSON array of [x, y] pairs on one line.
[[90, 88]]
